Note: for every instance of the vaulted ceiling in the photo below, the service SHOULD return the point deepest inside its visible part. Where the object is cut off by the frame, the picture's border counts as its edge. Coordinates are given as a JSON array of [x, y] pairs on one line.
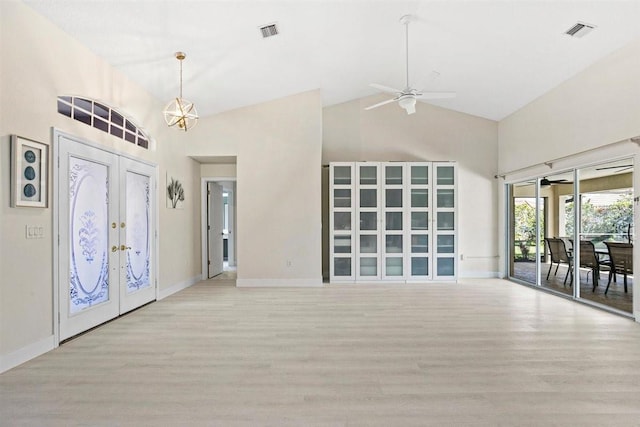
[[497, 55]]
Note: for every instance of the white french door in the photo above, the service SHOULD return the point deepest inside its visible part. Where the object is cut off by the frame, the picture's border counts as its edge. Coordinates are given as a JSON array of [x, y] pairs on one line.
[[215, 208], [106, 229]]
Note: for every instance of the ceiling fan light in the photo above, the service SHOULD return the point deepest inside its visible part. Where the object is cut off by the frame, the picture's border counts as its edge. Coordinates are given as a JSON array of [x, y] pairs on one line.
[[408, 103]]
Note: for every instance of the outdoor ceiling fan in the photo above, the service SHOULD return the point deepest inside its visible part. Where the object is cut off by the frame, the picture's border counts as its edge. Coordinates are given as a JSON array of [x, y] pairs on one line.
[[621, 167], [546, 182], [407, 97]]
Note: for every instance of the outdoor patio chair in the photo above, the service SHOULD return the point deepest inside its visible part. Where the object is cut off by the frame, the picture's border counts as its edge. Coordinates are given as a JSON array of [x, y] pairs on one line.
[[621, 255], [559, 255]]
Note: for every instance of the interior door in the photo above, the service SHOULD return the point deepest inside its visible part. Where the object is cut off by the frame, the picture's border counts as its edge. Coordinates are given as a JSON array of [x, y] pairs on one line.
[[215, 220], [88, 238], [136, 234]]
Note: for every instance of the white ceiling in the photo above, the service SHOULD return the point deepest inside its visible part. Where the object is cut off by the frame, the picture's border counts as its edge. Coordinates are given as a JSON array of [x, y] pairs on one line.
[[497, 55]]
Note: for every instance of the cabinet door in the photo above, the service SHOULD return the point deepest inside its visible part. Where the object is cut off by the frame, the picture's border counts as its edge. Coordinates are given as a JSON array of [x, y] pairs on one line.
[[446, 221], [368, 221], [419, 203], [341, 221], [394, 199]]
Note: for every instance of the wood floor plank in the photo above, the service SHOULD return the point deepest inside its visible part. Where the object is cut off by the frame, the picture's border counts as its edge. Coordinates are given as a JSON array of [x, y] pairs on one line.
[[480, 352]]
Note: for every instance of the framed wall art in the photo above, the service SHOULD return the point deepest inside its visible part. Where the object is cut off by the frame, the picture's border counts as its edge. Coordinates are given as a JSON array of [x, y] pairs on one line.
[[28, 173]]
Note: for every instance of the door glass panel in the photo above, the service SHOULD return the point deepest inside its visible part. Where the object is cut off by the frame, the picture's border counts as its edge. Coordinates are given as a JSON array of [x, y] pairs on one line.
[[445, 198], [445, 244], [368, 198], [419, 243], [445, 266], [394, 244], [138, 232], [342, 244], [419, 220], [368, 221], [523, 231], [342, 266], [342, 175], [393, 266], [368, 266], [393, 220], [420, 197], [419, 175], [445, 220], [342, 221], [393, 175], [368, 175], [342, 198], [88, 229], [368, 244], [445, 175], [606, 234], [394, 197], [419, 266]]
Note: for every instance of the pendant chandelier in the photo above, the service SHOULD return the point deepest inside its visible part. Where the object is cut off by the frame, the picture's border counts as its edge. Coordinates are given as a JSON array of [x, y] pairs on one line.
[[180, 113]]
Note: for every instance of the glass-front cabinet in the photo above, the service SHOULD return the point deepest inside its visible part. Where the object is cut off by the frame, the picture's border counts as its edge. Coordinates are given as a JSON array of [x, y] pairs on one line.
[[446, 221], [341, 221], [393, 221], [368, 222]]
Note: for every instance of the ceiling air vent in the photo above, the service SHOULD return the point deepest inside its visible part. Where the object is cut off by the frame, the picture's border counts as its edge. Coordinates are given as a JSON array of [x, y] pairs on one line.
[[580, 29], [269, 30]]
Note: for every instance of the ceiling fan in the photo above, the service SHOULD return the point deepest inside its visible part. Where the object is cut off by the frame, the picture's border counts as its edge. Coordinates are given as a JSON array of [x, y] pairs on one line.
[[545, 182], [621, 167], [407, 97]]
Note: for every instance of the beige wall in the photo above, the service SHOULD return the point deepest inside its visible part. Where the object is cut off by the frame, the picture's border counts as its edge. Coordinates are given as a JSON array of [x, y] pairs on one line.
[[387, 133], [40, 62], [278, 148]]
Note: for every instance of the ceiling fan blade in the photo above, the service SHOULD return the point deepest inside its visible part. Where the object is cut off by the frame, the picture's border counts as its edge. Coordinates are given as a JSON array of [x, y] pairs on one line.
[[371, 107], [613, 167], [385, 88], [436, 95]]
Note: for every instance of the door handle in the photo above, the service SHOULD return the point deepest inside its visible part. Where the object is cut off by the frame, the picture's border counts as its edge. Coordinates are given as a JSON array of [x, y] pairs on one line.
[[114, 248], [123, 247]]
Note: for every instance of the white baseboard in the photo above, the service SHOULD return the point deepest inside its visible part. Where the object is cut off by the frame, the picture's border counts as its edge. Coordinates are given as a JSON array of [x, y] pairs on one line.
[[31, 351], [479, 275], [163, 293], [278, 283]]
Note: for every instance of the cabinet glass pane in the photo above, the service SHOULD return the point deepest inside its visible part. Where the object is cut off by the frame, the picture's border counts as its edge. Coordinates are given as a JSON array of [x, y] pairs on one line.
[[342, 266], [420, 197], [342, 220], [368, 244], [445, 175], [394, 220], [368, 175], [445, 198], [393, 175], [394, 198], [446, 244], [393, 244], [419, 243], [419, 266], [368, 198], [445, 267], [342, 175], [368, 220], [342, 198], [342, 244], [419, 220], [419, 175], [368, 266], [393, 266], [445, 220]]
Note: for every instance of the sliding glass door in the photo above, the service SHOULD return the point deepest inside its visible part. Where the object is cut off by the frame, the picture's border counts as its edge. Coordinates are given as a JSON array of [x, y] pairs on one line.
[[572, 233]]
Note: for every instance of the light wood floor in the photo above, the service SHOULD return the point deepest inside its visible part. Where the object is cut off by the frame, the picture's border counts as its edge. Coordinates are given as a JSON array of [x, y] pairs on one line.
[[484, 352]]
